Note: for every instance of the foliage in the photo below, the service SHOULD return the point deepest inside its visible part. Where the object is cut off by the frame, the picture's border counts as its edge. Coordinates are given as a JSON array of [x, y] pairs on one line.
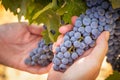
[[114, 76], [49, 12], [115, 3]]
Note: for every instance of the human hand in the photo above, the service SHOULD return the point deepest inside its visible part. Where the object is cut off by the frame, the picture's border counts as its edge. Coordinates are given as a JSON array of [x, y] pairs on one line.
[[16, 41], [88, 65]]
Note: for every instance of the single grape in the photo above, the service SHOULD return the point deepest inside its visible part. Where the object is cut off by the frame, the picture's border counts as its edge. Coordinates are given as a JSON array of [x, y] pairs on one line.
[[82, 45], [88, 29], [63, 49], [108, 28], [31, 54], [71, 33], [76, 44], [94, 24], [102, 18], [28, 61], [77, 35], [60, 55], [67, 54], [88, 11], [79, 51], [78, 23], [86, 20], [66, 37], [96, 15], [56, 61], [74, 55], [100, 28], [64, 61], [81, 29], [88, 39], [108, 14], [101, 12], [62, 67], [105, 5], [68, 43]]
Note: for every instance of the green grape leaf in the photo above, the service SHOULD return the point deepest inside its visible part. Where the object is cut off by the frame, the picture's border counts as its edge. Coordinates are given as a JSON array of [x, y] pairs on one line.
[[25, 8], [13, 5], [18, 7], [115, 3], [48, 12], [49, 6], [32, 9], [43, 3], [114, 76], [52, 21], [71, 8], [45, 36]]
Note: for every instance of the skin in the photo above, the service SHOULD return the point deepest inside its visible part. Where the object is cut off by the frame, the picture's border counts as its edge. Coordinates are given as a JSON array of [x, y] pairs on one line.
[[87, 67], [18, 39]]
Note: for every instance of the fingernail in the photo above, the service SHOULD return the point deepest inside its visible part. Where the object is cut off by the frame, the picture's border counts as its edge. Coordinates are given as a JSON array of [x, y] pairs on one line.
[[107, 35]]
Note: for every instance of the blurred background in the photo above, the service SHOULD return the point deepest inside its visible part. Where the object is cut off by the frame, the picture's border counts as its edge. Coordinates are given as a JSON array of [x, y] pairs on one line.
[[7, 73]]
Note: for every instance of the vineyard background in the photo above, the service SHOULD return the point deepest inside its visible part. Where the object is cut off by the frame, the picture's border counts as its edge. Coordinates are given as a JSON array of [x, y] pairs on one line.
[[7, 73]]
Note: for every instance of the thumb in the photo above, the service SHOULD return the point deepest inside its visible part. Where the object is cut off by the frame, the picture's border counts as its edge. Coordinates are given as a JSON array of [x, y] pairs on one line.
[[101, 47], [34, 29]]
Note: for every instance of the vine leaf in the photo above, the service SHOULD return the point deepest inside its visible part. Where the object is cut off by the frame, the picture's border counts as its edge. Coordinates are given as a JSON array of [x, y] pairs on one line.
[[14, 6], [52, 21], [71, 8], [48, 12], [115, 3]]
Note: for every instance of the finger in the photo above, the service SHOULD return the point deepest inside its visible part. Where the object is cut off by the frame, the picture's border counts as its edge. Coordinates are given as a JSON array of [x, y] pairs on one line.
[[73, 19], [65, 28], [59, 40], [54, 47], [34, 29], [86, 53], [54, 75], [101, 47], [36, 69], [39, 70]]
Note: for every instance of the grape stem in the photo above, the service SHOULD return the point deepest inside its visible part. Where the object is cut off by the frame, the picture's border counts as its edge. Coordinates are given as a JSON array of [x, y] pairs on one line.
[[72, 48], [80, 39], [54, 4]]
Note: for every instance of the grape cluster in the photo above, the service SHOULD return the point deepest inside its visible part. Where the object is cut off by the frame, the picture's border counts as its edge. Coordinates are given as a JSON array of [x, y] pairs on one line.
[[99, 17], [95, 3], [42, 55], [113, 55]]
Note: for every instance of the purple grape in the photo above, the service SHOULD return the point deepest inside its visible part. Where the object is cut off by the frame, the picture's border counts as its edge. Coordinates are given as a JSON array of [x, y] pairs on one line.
[[67, 54], [88, 29], [60, 55], [88, 39], [74, 55], [77, 35], [68, 43], [64, 61], [86, 20], [76, 44]]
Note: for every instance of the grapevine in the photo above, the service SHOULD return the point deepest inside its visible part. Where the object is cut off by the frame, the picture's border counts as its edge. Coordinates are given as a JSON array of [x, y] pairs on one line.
[[94, 17], [99, 17]]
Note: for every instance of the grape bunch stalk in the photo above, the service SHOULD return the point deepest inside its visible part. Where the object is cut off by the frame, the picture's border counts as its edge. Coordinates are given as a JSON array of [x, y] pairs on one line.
[[99, 17], [41, 56]]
